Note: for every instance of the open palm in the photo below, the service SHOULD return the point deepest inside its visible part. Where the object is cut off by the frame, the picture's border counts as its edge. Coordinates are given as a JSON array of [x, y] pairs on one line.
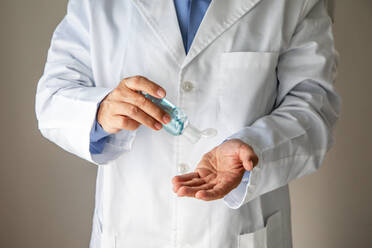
[[218, 172]]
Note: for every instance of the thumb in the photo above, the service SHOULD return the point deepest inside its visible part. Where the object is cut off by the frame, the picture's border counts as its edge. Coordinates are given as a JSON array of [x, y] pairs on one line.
[[248, 158]]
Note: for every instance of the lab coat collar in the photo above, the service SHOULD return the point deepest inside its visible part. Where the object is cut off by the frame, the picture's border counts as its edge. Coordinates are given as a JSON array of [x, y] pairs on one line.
[[221, 14], [162, 17]]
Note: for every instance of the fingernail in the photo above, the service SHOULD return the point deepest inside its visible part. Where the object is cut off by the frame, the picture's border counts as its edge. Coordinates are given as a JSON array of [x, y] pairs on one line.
[[158, 126], [161, 93], [166, 119]]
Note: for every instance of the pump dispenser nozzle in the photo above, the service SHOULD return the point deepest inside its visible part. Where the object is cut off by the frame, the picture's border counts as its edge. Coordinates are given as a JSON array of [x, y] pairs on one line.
[[192, 133], [179, 124]]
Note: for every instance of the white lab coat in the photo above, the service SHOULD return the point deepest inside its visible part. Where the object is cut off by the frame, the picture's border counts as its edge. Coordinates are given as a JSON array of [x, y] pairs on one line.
[[261, 71]]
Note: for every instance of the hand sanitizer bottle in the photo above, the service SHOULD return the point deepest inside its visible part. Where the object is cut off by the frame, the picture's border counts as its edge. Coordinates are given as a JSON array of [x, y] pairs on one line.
[[179, 124]]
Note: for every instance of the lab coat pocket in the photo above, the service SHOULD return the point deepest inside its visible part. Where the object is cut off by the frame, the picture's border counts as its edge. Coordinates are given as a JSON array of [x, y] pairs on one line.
[[247, 87], [268, 237]]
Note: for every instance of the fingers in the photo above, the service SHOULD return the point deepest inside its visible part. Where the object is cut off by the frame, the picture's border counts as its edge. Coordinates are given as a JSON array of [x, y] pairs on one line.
[[191, 191], [218, 192], [143, 84], [127, 92], [136, 99], [191, 183], [209, 195], [126, 101], [138, 115], [202, 188], [188, 184], [125, 111], [185, 177]]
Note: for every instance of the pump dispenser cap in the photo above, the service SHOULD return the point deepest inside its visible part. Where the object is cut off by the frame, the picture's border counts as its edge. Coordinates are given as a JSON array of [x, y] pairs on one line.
[[192, 133]]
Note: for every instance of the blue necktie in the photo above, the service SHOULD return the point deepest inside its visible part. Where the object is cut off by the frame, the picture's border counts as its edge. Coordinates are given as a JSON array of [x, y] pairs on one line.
[[190, 13]]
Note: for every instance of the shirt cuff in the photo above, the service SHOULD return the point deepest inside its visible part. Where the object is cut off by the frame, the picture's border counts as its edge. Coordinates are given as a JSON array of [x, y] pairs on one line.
[[98, 138]]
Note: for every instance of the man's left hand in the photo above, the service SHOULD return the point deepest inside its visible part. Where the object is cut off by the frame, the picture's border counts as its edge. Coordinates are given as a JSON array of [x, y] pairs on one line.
[[219, 171]]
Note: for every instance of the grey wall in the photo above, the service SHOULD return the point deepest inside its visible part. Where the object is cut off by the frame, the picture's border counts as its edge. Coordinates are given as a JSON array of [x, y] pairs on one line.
[[46, 194]]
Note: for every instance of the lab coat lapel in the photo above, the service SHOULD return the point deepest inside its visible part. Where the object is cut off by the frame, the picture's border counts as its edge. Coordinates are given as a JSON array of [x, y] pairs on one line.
[[162, 17], [220, 15]]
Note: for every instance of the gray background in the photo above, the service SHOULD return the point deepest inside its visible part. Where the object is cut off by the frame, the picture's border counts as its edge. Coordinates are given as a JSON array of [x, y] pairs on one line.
[[46, 194]]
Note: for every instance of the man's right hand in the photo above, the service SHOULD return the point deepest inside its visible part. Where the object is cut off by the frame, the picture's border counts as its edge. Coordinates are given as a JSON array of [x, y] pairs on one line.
[[125, 108]]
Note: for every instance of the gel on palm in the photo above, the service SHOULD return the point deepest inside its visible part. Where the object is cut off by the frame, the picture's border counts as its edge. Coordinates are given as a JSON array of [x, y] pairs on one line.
[[179, 124]]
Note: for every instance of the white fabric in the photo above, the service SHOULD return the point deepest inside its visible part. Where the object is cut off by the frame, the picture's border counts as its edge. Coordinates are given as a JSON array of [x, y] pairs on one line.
[[262, 72]]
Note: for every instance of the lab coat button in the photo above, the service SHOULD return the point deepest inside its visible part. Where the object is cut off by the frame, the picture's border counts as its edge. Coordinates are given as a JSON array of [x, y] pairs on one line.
[[187, 86], [183, 168]]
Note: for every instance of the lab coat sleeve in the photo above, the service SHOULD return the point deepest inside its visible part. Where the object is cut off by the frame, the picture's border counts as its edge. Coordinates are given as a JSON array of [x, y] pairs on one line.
[[67, 97], [293, 139]]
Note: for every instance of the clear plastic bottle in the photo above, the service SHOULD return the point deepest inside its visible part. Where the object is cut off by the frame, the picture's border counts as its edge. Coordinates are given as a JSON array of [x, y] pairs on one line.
[[179, 124]]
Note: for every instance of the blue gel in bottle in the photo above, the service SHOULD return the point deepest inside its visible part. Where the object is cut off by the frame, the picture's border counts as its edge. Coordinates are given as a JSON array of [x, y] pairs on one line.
[[179, 124]]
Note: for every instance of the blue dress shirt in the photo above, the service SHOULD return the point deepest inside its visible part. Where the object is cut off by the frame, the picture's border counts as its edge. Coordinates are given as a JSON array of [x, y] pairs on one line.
[[98, 138]]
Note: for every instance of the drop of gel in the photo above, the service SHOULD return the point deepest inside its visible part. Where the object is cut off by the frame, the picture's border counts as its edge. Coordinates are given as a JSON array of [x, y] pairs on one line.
[[209, 133]]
